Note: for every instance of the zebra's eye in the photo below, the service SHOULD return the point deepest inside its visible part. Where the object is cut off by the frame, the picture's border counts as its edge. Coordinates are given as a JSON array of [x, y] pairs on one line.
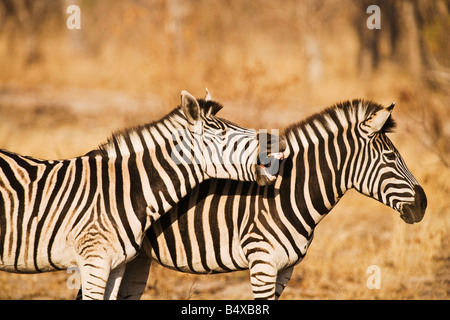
[[390, 156]]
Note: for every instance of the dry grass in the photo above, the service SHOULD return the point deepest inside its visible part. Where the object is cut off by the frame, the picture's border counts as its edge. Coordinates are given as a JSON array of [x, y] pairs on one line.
[[126, 66]]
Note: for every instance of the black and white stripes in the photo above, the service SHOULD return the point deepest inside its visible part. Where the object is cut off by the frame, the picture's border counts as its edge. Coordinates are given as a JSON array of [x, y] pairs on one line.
[[93, 211], [222, 225]]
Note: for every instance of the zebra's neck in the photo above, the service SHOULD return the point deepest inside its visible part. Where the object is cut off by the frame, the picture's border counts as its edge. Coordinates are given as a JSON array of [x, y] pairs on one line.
[[320, 168], [152, 154]]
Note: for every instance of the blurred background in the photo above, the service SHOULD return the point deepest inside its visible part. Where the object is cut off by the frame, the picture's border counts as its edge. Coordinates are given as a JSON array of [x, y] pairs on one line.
[[270, 63]]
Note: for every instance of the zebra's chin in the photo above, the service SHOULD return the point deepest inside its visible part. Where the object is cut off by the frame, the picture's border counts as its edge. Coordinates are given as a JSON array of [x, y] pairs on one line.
[[263, 176], [409, 217], [409, 213]]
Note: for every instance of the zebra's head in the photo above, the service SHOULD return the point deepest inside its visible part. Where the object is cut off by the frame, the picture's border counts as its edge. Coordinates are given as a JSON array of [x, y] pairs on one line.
[[226, 150], [383, 174]]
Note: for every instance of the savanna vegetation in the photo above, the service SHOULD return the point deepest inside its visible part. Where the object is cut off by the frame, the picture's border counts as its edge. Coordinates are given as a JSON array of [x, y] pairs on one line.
[[270, 63]]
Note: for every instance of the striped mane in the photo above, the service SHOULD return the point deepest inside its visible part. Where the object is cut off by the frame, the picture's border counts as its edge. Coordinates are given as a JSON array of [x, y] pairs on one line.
[[347, 113], [130, 135]]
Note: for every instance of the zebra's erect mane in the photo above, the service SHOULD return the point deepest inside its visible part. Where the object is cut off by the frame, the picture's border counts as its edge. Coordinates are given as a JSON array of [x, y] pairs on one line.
[[130, 135], [346, 112], [389, 125]]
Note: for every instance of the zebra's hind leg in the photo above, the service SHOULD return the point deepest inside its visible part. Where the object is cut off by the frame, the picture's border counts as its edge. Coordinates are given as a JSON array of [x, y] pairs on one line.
[[135, 278], [114, 281], [282, 280]]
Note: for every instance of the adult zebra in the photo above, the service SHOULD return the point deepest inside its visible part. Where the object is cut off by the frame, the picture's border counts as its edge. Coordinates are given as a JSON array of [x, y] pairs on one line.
[[93, 211], [222, 225]]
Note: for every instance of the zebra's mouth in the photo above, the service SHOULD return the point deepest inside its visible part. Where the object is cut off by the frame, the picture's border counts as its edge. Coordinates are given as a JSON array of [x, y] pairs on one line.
[[272, 149], [406, 215], [266, 174], [410, 214]]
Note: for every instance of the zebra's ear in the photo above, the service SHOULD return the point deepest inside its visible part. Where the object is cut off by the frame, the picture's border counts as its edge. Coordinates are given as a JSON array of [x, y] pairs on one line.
[[190, 107], [377, 120], [391, 107], [208, 95]]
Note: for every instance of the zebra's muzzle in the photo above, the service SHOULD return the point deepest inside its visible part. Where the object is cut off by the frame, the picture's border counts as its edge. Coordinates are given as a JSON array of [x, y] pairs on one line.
[[269, 160], [264, 177], [414, 211], [266, 174]]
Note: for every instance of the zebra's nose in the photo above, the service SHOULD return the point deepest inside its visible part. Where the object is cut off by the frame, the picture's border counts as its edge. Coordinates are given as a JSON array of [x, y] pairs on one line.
[[414, 211]]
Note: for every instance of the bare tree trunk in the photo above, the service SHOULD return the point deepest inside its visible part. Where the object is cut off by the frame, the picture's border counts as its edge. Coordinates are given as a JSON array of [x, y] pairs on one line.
[[24, 11], [308, 14], [407, 50], [369, 56]]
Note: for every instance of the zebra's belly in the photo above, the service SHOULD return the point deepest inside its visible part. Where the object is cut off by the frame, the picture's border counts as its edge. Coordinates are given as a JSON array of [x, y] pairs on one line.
[[21, 254], [201, 259], [198, 267], [38, 265]]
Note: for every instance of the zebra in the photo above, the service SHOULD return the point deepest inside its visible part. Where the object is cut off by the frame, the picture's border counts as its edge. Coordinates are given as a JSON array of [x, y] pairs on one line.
[[224, 225], [92, 211]]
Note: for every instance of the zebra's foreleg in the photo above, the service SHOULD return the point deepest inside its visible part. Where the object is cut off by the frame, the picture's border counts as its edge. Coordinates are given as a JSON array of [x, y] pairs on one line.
[[94, 273], [263, 278], [282, 280], [112, 285]]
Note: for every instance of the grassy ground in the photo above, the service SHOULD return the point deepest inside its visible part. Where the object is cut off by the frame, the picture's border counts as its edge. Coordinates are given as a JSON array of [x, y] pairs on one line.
[[127, 66]]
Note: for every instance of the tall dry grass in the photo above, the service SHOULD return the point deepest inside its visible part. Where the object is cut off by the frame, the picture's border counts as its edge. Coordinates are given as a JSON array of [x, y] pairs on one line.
[[270, 65]]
